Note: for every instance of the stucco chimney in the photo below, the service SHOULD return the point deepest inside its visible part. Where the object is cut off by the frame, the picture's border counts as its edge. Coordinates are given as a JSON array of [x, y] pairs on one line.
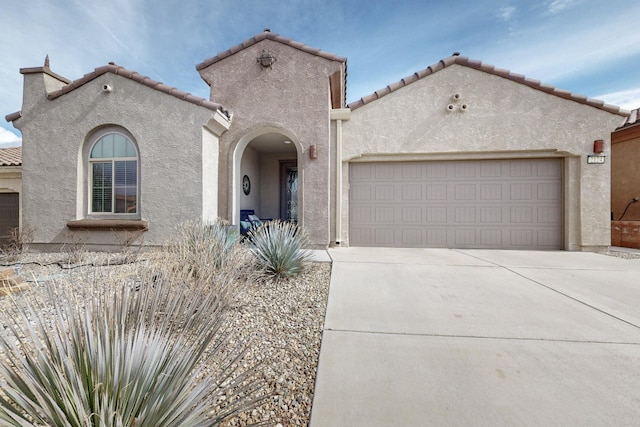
[[38, 83]]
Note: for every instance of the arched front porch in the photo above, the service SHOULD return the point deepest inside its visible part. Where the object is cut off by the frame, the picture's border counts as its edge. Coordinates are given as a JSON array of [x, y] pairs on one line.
[[265, 176]]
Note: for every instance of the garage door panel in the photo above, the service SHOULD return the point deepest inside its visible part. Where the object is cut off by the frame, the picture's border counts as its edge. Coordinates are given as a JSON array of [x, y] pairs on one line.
[[490, 192], [466, 204], [361, 192], [490, 214], [548, 191], [412, 214], [491, 238], [521, 238], [465, 237], [411, 192], [549, 215], [465, 191], [436, 215], [384, 214], [548, 239], [436, 192], [436, 237], [385, 193]]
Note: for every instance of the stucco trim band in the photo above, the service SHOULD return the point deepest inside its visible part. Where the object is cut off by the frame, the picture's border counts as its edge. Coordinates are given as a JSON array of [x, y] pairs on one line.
[[459, 155]]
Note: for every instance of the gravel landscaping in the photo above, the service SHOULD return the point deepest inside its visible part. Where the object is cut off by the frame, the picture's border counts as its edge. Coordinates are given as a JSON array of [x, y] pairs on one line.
[[281, 322]]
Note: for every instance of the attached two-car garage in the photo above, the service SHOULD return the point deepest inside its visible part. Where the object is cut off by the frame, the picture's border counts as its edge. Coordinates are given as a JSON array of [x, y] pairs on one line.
[[514, 204]]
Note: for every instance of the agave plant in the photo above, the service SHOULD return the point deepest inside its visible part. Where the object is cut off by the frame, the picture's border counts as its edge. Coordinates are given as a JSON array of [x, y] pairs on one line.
[[279, 248], [121, 357]]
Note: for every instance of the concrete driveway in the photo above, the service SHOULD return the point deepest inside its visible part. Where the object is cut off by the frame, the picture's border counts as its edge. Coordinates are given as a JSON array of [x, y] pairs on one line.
[[440, 337]]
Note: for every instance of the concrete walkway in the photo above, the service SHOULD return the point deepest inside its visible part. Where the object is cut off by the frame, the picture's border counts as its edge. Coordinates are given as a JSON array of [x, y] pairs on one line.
[[438, 337]]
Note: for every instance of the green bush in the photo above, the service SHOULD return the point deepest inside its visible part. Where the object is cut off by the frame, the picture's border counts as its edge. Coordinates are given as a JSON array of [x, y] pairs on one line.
[[157, 355], [279, 248]]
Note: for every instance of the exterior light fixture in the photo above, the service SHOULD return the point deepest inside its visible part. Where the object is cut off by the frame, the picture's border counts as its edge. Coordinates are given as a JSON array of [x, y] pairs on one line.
[[266, 59], [313, 152], [598, 146], [598, 156]]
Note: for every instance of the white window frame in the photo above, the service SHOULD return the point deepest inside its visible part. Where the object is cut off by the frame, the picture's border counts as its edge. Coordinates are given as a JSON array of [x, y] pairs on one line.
[[90, 162]]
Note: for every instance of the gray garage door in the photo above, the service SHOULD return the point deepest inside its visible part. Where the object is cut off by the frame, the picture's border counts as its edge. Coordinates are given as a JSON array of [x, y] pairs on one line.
[[513, 204], [9, 214]]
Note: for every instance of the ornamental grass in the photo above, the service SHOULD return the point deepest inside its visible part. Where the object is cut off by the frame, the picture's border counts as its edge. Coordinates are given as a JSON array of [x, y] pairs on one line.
[[155, 351]]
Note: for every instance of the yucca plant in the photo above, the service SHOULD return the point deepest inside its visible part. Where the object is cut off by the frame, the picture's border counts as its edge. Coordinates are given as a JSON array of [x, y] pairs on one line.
[[156, 356], [279, 248]]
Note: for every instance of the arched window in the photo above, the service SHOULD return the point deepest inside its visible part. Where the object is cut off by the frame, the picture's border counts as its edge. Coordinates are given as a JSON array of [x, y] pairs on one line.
[[113, 169]]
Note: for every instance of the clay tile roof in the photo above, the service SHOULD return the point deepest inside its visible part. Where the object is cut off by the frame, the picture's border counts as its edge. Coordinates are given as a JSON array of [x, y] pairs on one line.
[[268, 35], [633, 119], [11, 156], [478, 65], [132, 75]]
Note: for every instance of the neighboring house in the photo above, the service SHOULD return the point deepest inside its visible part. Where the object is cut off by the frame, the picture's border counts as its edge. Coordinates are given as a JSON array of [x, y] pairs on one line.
[[625, 183], [459, 155], [10, 189]]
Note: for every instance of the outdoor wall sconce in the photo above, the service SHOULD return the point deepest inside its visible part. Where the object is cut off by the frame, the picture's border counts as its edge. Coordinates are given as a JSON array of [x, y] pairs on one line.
[[313, 152], [598, 146], [266, 59]]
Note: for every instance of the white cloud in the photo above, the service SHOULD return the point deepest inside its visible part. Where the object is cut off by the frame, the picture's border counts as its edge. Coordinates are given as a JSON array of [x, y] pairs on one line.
[[9, 139], [558, 50], [557, 6], [628, 99], [506, 13]]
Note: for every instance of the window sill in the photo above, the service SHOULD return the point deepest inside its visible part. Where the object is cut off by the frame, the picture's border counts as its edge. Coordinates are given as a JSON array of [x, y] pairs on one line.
[[108, 224]]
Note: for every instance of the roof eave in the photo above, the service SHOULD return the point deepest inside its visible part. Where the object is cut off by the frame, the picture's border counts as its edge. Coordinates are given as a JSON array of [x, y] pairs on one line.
[[490, 69], [139, 78], [268, 35]]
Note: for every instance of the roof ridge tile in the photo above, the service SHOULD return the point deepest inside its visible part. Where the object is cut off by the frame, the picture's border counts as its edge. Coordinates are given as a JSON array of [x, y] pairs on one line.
[[270, 36], [138, 78], [490, 69]]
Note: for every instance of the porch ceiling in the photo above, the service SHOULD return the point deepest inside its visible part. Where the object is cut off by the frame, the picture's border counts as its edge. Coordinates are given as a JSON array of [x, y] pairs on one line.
[[272, 143]]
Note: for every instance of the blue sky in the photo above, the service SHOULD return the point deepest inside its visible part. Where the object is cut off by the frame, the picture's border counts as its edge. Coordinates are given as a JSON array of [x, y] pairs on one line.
[[590, 47]]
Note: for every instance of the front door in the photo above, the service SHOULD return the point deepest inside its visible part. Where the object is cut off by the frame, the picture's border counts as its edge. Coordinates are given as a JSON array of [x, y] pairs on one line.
[[289, 191]]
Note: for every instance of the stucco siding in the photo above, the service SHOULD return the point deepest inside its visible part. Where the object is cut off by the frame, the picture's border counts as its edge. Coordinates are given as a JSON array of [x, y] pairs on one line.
[[292, 97], [168, 133], [502, 119], [251, 168]]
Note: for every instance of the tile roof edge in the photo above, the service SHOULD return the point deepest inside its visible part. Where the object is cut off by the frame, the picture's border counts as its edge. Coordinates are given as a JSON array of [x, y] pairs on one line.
[[268, 35], [138, 78], [633, 119], [490, 69], [11, 156]]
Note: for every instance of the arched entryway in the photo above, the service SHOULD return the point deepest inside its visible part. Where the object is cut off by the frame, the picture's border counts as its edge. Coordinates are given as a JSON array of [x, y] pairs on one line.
[[266, 176]]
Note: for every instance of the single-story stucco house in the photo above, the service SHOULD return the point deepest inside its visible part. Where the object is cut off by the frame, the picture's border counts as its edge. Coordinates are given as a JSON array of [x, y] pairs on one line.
[[10, 188], [458, 155]]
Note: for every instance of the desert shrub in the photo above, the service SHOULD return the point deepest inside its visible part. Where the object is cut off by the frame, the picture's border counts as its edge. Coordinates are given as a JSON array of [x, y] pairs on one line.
[[110, 355], [279, 248], [17, 243], [209, 251]]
